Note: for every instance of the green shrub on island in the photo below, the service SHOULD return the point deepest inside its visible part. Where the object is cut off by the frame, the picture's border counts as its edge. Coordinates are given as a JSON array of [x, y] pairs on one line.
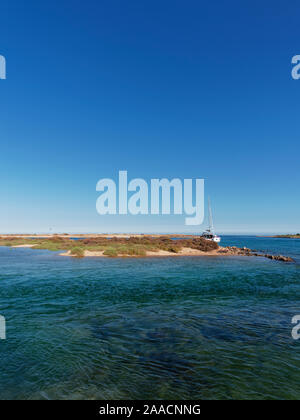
[[77, 252], [172, 248], [110, 252]]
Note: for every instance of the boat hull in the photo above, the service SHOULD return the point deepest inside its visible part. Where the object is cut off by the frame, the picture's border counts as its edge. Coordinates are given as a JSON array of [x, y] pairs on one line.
[[213, 239]]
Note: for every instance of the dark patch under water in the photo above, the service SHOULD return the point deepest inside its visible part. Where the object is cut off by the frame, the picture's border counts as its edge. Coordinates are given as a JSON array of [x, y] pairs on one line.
[[186, 327]]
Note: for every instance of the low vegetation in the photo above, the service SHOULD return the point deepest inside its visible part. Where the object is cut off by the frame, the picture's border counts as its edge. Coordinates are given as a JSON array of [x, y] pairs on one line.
[[112, 247]]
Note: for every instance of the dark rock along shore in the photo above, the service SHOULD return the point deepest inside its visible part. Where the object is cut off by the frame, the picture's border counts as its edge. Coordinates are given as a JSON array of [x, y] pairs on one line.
[[248, 252]]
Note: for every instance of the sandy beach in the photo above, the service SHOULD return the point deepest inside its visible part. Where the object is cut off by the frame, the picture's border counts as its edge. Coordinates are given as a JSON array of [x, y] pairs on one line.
[[23, 246], [159, 253]]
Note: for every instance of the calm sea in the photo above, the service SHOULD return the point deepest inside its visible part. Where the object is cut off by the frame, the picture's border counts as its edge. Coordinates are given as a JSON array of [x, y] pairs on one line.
[[157, 328]]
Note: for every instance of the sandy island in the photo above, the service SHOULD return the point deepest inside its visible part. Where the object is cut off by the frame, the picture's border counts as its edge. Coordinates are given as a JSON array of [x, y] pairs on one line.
[[189, 252], [130, 246]]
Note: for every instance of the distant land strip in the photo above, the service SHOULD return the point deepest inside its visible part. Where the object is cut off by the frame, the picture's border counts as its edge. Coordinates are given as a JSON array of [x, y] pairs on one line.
[[291, 236]]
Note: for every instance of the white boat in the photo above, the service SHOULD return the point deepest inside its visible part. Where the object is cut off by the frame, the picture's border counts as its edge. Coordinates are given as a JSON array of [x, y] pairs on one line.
[[209, 234]]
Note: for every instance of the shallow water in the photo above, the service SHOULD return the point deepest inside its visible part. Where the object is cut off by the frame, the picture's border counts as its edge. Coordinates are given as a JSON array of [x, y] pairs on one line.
[[186, 327]]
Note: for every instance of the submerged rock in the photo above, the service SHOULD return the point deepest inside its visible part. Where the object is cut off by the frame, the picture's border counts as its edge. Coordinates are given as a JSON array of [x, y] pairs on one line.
[[279, 258]]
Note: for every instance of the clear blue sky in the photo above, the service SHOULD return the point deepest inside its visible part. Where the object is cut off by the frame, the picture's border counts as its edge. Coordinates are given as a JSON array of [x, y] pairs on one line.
[[159, 88]]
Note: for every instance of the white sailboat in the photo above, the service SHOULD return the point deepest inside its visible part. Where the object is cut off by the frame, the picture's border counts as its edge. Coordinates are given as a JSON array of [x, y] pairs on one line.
[[209, 234]]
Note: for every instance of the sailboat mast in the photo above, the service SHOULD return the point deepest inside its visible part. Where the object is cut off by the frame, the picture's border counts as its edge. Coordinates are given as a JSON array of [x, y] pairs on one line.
[[211, 224]]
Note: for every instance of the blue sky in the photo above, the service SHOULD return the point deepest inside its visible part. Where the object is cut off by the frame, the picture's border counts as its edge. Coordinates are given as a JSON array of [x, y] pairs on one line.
[[160, 89]]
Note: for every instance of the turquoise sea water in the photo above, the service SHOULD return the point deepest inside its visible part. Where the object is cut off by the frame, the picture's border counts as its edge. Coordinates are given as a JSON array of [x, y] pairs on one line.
[[157, 328]]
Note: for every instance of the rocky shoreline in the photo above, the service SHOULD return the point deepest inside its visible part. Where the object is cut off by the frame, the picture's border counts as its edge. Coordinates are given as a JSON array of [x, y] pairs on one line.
[[233, 250]]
